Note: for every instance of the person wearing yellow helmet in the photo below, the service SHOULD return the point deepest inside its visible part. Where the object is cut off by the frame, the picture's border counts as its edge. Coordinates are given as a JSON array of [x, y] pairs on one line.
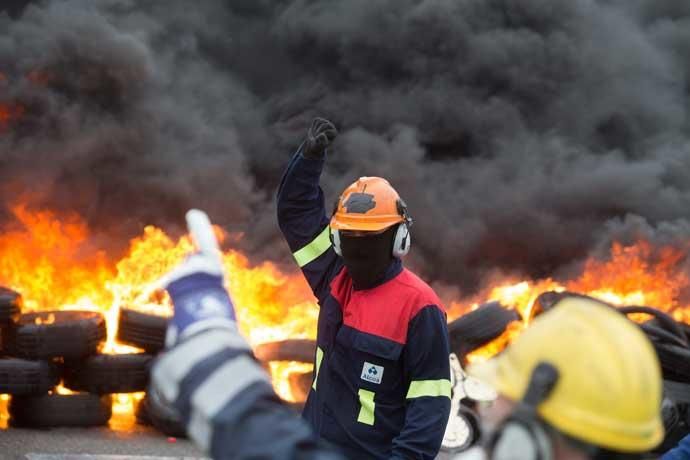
[[582, 382], [381, 385]]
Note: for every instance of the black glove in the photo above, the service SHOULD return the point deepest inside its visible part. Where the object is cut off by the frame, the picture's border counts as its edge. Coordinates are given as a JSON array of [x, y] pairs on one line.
[[320, 135]]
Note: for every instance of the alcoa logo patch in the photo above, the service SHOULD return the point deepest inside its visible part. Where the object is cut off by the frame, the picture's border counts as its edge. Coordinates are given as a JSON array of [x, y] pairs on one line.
[[372, 373]]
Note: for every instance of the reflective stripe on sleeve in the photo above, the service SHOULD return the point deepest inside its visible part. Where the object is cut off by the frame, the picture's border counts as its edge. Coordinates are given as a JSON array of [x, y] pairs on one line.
[[317, 366], [366, 412], [224, 384], [311, 251], [421, 388], [174, 366]]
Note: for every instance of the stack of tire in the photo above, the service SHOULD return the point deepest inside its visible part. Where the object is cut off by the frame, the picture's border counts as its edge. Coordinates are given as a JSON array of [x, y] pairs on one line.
[[147, 332], [672, 344], [39, 350], [479, 327], [298, 350]]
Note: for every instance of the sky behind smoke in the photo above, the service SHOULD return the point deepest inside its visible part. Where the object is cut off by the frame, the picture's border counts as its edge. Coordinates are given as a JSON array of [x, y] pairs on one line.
[[523, 134]]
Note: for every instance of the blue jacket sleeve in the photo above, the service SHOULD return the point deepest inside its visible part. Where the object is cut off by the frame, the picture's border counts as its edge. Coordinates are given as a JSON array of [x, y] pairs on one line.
[[302, 219], [227, 402], [427, 368], [680, 452]]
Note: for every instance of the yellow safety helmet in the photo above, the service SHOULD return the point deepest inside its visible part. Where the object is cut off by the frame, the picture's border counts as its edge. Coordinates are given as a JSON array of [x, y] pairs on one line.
[[609, 390]]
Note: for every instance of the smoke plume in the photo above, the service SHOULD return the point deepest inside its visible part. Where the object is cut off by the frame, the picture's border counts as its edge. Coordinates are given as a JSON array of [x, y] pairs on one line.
[[523, 134]]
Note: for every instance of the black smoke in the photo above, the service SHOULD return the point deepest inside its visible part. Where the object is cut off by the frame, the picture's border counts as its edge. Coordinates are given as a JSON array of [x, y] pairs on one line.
[[524, 134]]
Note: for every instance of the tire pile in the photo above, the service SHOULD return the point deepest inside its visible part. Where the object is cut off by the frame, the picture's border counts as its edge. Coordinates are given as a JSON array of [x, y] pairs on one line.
[[299, 350], [479, 327], [671, 341], [37, 349], [148, 333], [40, 350]]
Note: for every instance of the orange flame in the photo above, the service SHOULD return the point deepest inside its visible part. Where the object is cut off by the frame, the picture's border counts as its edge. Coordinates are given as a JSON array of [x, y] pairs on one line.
[[638, 274], [52, 261]]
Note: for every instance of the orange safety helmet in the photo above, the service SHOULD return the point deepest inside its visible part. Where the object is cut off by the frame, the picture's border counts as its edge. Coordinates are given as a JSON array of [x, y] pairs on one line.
[[370, 204]]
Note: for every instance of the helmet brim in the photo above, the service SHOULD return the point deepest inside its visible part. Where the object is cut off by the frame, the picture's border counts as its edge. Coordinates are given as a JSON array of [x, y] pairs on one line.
[[363, 224]]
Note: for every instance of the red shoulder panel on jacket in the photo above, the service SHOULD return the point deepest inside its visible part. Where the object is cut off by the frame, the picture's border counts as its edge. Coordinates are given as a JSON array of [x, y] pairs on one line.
[[385, 310]]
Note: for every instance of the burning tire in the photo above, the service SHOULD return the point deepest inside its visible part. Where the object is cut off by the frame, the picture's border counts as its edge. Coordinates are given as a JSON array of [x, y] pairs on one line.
[[300, 385], [103, 374], [479, 327], [686, 329], [53, 410], [675, 361], [663, 328], [10, 305], [301, 350], [669, 340], [547, 300], [21, 377], [678, 392], [50, 334], [142, 330]]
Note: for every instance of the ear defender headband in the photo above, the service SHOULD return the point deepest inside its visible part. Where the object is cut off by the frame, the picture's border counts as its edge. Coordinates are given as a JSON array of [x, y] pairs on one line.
[[522, 435], [402, 240]]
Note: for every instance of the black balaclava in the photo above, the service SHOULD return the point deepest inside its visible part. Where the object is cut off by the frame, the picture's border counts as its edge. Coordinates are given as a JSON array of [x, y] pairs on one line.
[[368, 257]]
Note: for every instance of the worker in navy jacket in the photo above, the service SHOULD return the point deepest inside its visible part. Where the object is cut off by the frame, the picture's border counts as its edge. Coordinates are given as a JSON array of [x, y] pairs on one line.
[[381, 386]]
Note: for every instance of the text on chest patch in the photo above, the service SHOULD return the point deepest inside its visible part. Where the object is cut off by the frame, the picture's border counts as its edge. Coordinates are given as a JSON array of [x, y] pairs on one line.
[[372, 373]]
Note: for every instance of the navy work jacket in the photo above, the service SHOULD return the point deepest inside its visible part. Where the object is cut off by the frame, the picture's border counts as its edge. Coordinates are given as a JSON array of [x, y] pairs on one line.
[[381, 386]]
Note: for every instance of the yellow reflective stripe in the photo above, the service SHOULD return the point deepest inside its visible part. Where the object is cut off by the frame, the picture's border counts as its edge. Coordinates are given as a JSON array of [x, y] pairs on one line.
[[317, 366], [420, 388], [366, 413], [318, 246]]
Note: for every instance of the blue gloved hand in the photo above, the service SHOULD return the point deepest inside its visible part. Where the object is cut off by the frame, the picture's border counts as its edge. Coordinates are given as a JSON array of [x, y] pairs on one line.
[[196, 286]]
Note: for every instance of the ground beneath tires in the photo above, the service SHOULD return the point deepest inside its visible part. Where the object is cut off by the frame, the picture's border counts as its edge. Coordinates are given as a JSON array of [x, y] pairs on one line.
[[75, 443], [143, 443]]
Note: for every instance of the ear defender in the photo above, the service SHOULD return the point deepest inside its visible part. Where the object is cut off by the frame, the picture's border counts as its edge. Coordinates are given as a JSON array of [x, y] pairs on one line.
[[402, 240], [522, 435], [523, 439]]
